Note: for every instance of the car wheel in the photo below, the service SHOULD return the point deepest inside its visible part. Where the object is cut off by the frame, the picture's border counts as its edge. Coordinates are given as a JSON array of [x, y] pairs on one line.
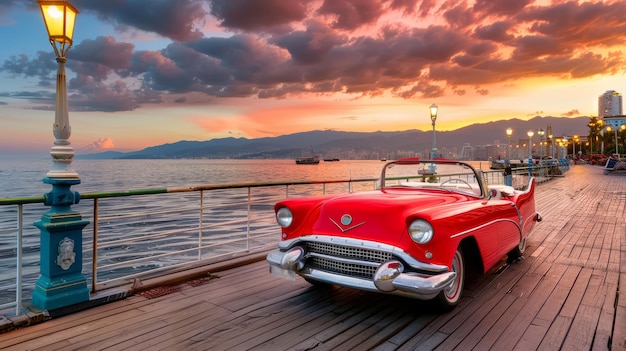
[[518, 252], [450, 297]]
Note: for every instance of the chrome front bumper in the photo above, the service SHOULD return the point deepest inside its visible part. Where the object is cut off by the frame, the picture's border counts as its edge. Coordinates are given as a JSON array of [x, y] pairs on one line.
[[389, 277]]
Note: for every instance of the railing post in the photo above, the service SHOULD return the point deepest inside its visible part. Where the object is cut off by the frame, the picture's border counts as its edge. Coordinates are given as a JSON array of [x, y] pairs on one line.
[[200, 227], [61, 282], [249, 215], [18, 278], [94, 247]]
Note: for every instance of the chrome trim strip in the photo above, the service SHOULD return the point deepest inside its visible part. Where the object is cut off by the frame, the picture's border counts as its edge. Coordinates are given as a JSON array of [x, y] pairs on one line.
[[343, 230], [410, 285], [366, 244], [343, 260], [484, 225]]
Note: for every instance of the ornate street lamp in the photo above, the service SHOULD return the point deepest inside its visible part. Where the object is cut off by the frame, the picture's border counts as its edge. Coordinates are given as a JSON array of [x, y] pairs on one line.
[[433, 151], [541, 133], [551, 145], [433, 117], [59, 17], [508, 176], [61, 282], [509, 132], [530, 134]]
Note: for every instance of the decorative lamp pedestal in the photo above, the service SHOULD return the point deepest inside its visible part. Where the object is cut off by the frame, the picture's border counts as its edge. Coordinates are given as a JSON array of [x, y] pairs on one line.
[[61, 282]]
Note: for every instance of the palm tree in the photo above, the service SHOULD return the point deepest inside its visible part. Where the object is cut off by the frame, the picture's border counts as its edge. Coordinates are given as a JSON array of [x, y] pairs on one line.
[[595, 128]]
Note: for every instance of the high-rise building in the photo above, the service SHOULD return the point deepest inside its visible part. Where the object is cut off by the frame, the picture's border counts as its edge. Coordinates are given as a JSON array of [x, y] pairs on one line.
[[610, 104]]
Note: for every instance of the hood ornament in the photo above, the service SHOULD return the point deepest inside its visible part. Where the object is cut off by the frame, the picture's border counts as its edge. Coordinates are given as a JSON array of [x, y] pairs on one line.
[[345, 221]]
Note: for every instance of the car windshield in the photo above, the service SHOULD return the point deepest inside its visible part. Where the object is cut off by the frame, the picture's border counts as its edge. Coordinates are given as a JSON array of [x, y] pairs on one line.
[[437, 174]]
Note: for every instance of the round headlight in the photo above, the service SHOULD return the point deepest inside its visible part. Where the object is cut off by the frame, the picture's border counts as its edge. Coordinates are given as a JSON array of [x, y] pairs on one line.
[[284, 217], [421, 231]]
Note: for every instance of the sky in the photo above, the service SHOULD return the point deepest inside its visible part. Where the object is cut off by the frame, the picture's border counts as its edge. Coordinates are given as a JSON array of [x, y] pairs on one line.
[[142, 73]]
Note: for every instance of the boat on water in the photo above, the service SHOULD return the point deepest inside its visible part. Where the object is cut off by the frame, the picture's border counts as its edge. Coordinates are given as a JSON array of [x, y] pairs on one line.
[[308, 160], [501, 164], [331, 159]]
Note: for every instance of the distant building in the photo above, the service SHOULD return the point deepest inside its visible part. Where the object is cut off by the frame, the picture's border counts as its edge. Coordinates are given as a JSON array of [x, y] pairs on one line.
[[467, 153], [610, 104]]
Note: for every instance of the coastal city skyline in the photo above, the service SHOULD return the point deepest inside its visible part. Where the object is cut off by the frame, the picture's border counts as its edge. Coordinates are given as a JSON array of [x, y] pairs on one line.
[[199, 70]]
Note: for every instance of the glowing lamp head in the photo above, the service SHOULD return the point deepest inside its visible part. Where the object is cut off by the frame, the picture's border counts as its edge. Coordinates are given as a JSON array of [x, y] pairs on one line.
[[59, 17], [433, 112]]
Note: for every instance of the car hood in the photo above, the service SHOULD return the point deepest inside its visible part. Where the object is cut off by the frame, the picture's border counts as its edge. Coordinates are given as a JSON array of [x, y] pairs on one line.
[[378, 216]]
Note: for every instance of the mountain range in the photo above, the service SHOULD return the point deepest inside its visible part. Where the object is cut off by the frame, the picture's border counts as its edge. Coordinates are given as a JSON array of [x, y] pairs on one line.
[[354, 145]]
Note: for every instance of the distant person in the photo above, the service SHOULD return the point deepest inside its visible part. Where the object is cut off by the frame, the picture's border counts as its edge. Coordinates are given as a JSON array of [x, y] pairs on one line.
[[508, 173]]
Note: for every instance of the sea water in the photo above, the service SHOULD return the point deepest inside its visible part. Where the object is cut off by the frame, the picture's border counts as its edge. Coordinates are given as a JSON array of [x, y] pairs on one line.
[[23, 178]]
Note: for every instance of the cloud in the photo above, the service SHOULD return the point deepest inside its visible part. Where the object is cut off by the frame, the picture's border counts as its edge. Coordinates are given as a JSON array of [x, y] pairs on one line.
[[273, 49], [250, 15], [351, 14], [571, 113], [100, 144], [178, 20]]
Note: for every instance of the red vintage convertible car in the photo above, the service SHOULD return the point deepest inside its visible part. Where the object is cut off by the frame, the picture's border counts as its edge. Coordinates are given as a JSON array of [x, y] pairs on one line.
[[429, 224]]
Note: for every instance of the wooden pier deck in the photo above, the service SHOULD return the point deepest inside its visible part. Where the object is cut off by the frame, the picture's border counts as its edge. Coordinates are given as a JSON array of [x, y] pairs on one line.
[[569, 293]]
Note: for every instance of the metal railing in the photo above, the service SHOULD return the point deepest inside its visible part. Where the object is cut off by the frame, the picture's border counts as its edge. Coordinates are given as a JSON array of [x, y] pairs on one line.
[[157, 232], [162, 230]]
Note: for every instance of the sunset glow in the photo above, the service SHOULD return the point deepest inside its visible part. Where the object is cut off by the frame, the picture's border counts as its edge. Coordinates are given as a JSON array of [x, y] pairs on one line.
[[198, 70]]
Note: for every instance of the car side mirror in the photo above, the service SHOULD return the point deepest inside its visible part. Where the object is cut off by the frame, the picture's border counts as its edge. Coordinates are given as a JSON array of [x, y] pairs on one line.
[[492, 193]]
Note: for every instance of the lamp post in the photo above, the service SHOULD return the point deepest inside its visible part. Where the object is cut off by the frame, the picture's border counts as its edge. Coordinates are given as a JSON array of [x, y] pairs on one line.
[[541, 133], [509, 132], [551, 145], [622, 127], [574, 140], [530, 134], [592, 127], [433, 152], [433, 117], [61, 282], [508, 176]]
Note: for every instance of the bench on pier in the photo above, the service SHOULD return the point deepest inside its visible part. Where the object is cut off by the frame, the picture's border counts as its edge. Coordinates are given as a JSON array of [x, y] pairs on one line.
[[614, 166]]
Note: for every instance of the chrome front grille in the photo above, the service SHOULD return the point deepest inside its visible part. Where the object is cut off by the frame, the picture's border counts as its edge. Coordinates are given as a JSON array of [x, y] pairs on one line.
[[354, 254]]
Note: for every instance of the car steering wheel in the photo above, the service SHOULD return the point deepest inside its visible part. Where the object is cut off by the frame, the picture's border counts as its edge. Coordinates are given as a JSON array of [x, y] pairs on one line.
[[457, 180]]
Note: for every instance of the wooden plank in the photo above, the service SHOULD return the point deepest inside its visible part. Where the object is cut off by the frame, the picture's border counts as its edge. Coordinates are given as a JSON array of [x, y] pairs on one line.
[[527, 313], [570, 307], [581, 333], [619, 331], [604, 331], [555, 301], [532, 337], [403, 335], [264, 323], [495, 317], [556, 334]]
